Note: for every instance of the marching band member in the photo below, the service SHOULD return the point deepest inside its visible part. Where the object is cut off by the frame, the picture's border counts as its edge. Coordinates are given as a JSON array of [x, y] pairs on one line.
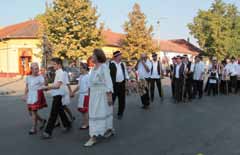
[[143, 68], [119, 75], [178, 79], [156, 74], [198, 75], [188, 78]]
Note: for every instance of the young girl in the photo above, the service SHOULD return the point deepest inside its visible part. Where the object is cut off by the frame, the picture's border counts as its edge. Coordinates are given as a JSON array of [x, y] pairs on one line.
[[213, 82], [83, 99], [34, 97]]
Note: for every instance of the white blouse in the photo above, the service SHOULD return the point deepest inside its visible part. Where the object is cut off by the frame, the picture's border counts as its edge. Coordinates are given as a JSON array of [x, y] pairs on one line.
[[34, 83]]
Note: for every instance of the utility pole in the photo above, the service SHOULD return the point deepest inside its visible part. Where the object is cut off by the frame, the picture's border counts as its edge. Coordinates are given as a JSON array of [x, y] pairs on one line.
[[159, 30]]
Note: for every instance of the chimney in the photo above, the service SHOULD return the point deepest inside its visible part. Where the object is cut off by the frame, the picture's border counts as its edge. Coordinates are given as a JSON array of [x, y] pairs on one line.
[[188, 39]]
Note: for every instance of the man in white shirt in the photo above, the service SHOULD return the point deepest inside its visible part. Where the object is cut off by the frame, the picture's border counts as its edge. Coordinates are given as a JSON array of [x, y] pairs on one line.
[[232, 67], [178, 79], [143, 68], [188, 78], [156, 73], [172, 66], [198, 75], [119, 75], [57, 91]]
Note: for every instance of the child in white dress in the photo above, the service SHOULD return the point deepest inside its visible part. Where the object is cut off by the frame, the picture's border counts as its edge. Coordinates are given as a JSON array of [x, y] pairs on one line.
[[34, 97], [83, 88]]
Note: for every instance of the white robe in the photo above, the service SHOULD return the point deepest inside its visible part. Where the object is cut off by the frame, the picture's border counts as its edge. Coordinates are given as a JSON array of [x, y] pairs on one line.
[[100, 113]]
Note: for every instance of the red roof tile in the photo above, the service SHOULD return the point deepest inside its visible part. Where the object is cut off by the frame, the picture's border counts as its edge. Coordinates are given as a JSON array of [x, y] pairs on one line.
[[26, 29], [29, 29], [112, 38]]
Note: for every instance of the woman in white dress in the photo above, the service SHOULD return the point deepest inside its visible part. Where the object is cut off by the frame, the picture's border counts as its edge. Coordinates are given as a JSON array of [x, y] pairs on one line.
[[100, 103], [34, 97]]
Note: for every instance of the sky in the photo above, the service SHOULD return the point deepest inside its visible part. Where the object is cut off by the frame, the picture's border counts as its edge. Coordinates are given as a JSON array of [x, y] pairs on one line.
[[174, 15]]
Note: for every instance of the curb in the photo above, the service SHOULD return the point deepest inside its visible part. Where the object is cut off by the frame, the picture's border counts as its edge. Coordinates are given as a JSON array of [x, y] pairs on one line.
[[7, 93]]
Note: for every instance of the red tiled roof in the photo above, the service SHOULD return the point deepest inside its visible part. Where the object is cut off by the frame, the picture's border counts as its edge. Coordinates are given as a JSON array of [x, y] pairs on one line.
[[112, 38], [29, 29], [26, 29]]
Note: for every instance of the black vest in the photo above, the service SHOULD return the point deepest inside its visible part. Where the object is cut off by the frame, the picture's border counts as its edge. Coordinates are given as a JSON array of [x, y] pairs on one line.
[[158, 68], [189, 73], [113, 71], [181, 71]]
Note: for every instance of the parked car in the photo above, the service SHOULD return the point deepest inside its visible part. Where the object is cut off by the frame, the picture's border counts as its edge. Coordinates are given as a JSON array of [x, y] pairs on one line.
[[50, 74], [73, 73]]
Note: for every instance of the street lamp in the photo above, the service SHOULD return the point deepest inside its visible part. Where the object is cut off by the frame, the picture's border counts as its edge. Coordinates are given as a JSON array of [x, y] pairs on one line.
[[159, 29]]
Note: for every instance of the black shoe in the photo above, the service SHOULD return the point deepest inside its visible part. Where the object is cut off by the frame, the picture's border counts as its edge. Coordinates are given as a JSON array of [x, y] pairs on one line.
[[57, 125], [43, 124], [162, 99], [120, 117], [73, 118], [67, 129]]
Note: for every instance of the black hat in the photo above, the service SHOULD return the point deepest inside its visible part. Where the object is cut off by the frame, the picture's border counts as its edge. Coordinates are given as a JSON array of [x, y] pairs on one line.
[[117, 53], [174, 58], [178, 56], [154, 54], [185, 56], [233, 58]]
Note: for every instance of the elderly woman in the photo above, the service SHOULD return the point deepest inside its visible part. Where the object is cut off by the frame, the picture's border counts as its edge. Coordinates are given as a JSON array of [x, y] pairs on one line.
[[100, 103]]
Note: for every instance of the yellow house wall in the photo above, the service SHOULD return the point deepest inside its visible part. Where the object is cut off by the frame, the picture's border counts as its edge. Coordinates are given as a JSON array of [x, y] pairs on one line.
[[9, 53]]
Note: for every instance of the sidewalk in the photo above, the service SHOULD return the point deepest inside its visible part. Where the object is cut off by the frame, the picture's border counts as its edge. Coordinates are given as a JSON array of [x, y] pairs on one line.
[[10, 86]]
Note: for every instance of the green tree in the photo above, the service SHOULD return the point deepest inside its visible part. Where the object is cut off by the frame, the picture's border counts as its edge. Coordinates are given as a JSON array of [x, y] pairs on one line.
[[217, 30], [138, 35], [71, 28]]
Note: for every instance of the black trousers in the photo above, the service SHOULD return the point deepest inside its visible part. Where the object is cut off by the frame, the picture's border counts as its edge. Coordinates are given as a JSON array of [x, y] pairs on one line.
[[212, 88], [119, 91], [238, 85], [233, 84], [178, 87], [152, 88], [145, 98], [173, 88], [198, 88], [57, 109], [188, 89], [224, 86]]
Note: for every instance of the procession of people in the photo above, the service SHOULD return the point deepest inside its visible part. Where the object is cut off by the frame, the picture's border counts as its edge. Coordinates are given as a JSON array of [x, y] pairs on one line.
[[108, 80]]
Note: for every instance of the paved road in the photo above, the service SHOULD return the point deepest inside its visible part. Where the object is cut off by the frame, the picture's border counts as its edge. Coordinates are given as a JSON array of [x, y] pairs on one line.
[[210, 126]]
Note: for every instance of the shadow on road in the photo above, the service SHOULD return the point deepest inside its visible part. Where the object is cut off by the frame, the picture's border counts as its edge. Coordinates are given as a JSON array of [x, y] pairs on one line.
[[11, 82]]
